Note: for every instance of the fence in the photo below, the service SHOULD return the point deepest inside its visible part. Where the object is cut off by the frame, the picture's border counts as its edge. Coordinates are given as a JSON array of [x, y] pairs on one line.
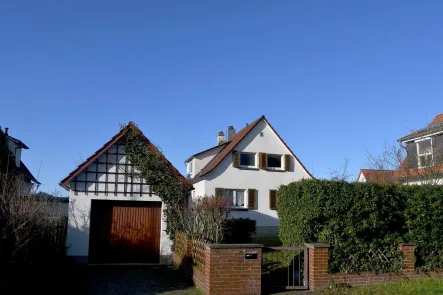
[[320, 279], [217, 268], [58, 234], [285, 268]]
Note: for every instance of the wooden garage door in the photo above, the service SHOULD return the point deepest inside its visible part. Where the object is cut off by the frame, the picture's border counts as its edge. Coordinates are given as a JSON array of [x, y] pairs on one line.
[[125, 232]]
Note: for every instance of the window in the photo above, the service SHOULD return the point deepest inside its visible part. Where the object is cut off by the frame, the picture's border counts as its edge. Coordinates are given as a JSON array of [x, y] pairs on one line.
[[274, 161], [247, 160], [424, 152], [190, 168], [236, 196]]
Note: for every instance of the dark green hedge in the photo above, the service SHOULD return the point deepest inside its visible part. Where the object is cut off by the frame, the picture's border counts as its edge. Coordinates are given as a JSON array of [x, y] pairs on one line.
[[239, 230], [361, 219]]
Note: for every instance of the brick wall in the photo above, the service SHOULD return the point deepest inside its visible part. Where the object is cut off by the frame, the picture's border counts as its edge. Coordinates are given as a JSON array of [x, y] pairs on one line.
[[231, 273], [320, 279], [225, 269]]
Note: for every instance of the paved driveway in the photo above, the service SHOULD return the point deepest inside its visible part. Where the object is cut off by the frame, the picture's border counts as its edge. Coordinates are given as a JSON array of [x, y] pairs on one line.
[[134, 280]]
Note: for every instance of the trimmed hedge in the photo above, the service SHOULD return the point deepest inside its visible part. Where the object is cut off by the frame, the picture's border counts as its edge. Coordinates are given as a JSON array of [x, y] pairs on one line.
[[360, 219], [239, 231]]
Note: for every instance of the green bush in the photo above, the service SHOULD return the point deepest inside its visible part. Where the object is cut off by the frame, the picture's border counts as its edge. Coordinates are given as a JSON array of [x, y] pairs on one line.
[[424, 220], [239, 231], [361, 219]]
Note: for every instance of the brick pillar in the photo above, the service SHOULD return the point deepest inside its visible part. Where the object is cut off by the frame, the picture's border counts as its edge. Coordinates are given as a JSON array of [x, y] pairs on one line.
[[228, 271], [408, 256], [318, 266]]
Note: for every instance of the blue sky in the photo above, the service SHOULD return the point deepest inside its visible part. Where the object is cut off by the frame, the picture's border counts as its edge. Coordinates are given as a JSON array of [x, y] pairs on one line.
[[335, 78]]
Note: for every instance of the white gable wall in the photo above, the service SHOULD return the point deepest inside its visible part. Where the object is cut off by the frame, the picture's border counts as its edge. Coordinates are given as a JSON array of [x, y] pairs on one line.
[[84, 191], [227, 177], [201, 160]]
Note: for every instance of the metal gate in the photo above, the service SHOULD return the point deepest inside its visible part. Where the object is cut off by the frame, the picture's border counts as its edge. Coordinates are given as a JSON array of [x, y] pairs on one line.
[[285, 268]]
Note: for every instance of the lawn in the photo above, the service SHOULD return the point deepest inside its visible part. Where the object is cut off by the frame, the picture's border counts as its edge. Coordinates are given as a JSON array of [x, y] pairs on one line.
[[419, 287]]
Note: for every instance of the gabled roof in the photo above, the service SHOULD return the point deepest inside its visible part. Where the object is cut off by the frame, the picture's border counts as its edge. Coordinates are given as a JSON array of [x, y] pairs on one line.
[[235, 140], [17, 142], [65, 182], [25, 171], [207, 150], [377, 175], [435, 126]]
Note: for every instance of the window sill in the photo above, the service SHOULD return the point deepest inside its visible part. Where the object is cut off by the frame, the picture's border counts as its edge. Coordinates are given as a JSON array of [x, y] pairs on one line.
[[275, 170], [239, 209], [248, 168]]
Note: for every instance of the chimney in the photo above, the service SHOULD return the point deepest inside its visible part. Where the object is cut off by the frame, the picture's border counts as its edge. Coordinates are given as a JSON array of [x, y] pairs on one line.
[[230, 133], [6, 130], [220, 137]]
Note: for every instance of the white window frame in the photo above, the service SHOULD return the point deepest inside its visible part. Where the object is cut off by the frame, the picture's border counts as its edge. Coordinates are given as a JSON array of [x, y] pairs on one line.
[[424, 154], [234, 197], [249, 166], [282, 164]]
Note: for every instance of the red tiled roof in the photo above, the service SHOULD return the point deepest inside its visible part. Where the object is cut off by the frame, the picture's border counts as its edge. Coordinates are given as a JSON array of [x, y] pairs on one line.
[[65, 182], [437, 119], [235, 140], [376, 175]]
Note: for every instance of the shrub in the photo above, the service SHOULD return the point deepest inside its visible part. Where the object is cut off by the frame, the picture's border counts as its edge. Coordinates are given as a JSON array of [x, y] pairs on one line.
[[424, 221], [364, 222], [357, 219], [239, 230]]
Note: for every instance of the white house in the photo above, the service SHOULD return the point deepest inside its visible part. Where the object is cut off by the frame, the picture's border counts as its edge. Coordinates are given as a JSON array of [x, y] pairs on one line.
[[16, 147], [247, 167], [113, 214]]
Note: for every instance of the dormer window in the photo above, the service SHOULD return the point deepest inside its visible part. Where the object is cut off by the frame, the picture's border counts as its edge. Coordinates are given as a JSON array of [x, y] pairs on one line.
[[424, 151], [247, 160]]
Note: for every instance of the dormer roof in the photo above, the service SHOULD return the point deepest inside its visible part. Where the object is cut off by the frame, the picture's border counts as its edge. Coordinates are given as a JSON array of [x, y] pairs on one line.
[[436, 126]]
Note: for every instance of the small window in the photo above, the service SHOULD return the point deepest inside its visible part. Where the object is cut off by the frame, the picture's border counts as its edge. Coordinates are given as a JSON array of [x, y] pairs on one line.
[[425, 153], [236, 196], [190, 168], [274, 161], [247, 159]]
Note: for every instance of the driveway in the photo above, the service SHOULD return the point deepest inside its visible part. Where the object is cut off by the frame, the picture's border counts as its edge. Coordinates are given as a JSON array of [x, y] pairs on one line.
[[134, 280]]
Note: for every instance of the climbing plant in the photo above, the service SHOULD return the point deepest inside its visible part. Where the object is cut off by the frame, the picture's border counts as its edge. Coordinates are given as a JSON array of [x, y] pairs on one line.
[[155, 169]]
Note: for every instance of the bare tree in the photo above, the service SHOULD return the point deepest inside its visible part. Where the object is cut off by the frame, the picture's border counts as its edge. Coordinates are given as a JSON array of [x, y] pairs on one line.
[[393, 158], [206, 217], [25, 221], [342, 173]]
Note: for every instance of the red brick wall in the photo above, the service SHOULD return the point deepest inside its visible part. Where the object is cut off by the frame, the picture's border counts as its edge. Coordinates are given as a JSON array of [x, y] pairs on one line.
[[231, 273], [225, 271], [320, 279]]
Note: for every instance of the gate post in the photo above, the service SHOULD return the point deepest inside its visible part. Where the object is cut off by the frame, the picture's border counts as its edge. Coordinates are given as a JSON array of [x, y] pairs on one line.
[[318, 266]]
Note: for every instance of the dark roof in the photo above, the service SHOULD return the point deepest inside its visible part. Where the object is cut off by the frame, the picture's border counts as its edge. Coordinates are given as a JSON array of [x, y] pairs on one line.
[[65, 182], [435, 126], [25, 171], [235, 140], [207, 150], [17, 142]]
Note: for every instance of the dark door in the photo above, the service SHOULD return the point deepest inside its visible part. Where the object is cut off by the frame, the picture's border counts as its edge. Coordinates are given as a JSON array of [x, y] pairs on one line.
[[125, 232]]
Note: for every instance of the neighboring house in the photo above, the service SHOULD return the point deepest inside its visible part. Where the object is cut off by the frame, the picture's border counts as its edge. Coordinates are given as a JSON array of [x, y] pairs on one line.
[[15, 147], [248, 167], [113, 214], [424, 158], [375, 176], [62, 203]]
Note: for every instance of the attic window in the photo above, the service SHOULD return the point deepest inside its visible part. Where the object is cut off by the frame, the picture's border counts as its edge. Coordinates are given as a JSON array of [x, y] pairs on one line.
[[274, 161], [247, 160], [424, 151]]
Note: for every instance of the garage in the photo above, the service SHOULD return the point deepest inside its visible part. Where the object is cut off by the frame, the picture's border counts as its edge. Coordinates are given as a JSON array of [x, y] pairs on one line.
[[124, 231]]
